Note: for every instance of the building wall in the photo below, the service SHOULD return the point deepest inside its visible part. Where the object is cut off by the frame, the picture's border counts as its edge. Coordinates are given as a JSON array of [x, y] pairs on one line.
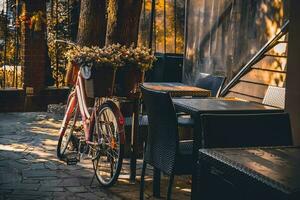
[[293, 71]]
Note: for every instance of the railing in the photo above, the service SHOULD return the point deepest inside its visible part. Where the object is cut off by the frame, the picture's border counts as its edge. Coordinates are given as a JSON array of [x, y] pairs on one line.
[[257, 57]]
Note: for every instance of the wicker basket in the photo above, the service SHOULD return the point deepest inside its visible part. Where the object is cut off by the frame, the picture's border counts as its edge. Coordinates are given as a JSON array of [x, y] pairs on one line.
[[101, 83], [72, 73], [128, 79]]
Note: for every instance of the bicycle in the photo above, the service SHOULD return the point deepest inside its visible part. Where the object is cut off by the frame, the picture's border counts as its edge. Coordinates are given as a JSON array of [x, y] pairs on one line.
[[100, 134]]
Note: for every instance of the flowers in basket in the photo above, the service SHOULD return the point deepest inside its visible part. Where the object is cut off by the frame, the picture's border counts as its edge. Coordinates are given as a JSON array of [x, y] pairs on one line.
[[140, 57], [114, 55], [89, 56]]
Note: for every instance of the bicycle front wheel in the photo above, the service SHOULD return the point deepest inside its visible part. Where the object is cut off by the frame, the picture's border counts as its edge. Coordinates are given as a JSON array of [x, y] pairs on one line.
[[109, 155]]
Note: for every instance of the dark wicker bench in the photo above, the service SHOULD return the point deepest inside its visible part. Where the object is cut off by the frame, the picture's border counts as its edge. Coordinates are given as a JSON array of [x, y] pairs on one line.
[[249, 173]]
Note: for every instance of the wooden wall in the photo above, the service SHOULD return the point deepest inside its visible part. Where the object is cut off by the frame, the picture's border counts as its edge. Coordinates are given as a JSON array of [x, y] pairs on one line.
[[293, 72]]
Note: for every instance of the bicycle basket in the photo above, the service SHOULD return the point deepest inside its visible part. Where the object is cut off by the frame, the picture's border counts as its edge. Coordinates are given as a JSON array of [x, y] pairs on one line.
[[72, 73], [128, 79], [101, 83]]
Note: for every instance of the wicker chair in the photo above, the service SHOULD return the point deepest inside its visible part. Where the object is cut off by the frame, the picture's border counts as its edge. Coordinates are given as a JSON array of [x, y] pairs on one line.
[[205, 81], [163, 150], [246, 130], [210, 82], [275, 96]]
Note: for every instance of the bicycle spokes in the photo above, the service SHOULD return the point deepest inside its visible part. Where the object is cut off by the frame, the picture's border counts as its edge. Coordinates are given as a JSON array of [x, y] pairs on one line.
[[107, 165]]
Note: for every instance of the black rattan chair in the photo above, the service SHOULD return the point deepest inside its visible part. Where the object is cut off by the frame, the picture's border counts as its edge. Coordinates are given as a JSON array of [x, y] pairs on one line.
[[246, 130], [163, 150], [205, 81], [210, 82]]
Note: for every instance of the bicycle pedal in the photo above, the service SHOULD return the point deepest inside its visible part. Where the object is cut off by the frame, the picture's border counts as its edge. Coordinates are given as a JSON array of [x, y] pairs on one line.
[[72, 160]]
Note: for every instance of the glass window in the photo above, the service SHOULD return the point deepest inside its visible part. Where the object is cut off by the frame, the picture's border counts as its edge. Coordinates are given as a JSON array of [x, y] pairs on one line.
[[168, 25], [223, 35]]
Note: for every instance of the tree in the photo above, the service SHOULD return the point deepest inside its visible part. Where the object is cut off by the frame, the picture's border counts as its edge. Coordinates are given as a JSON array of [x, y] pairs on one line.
[[92, 23], [75, 12], [123, 21]]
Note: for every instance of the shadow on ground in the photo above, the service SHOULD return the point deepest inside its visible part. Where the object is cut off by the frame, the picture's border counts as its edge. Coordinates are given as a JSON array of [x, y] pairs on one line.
[[29, 168]]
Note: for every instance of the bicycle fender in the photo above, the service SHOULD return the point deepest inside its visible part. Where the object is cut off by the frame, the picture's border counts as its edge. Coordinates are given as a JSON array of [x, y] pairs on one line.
[[121, 120]]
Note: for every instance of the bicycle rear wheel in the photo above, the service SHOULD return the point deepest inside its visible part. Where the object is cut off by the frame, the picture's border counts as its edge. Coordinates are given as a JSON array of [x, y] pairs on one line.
[[68, 142], [108, 157]]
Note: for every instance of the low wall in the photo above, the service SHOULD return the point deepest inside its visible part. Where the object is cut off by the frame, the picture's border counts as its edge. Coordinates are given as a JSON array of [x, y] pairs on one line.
[[15, 100]]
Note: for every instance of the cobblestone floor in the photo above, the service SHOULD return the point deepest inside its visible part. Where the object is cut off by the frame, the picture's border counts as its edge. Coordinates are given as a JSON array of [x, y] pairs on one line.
[[29, 168]]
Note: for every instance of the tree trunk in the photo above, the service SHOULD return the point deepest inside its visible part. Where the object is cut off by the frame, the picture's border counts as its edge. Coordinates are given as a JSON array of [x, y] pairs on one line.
[[92, 23], [123, 21], [74, 18]]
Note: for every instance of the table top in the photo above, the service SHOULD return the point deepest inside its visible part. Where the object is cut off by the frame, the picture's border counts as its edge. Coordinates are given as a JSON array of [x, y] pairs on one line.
[[278, 167], [177, 89], [220, 105]]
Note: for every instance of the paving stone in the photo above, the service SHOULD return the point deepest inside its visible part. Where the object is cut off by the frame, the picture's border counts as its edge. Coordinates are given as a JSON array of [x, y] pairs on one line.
[[87, 181], [63, 166], [9, 177], [54, 182], [47, 188], [20, 186], [33, 193], [24, 197], [87, 195], [10, 155], [77, 189], [81, 173], [34, 181], [12, 164], [37, 166], [39, 173], [70, 182], [24, 161], [29, 157], [4, 191], [51, 165], [41, 178], [62, 195]]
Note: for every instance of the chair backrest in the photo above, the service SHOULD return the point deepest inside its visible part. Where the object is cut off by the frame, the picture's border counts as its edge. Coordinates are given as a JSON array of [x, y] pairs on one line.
[[275, 96], [210, 82], [246, 130], [162, 140]]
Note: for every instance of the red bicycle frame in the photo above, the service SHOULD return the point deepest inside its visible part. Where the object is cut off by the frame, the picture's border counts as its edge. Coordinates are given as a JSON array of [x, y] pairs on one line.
[[78, 98]]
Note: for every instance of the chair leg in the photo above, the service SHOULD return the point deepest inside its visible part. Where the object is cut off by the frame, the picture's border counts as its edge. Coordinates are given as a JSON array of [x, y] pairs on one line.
[[143, 180], [171, 180], [156, 183]]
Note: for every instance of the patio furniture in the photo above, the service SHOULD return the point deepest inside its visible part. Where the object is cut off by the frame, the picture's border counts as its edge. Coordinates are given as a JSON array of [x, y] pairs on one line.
[[177, 89], [249, 173], [163, 150], [197, 107], [275, 96], [246, 130], [210, 82]]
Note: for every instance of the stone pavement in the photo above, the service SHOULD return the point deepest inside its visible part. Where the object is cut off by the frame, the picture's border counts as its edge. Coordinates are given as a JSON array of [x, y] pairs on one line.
[[29, 168]]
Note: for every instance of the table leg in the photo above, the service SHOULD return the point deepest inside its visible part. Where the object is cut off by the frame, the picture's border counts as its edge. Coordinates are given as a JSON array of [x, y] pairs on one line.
[[134, 141], [156, 182], [197, 143]]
